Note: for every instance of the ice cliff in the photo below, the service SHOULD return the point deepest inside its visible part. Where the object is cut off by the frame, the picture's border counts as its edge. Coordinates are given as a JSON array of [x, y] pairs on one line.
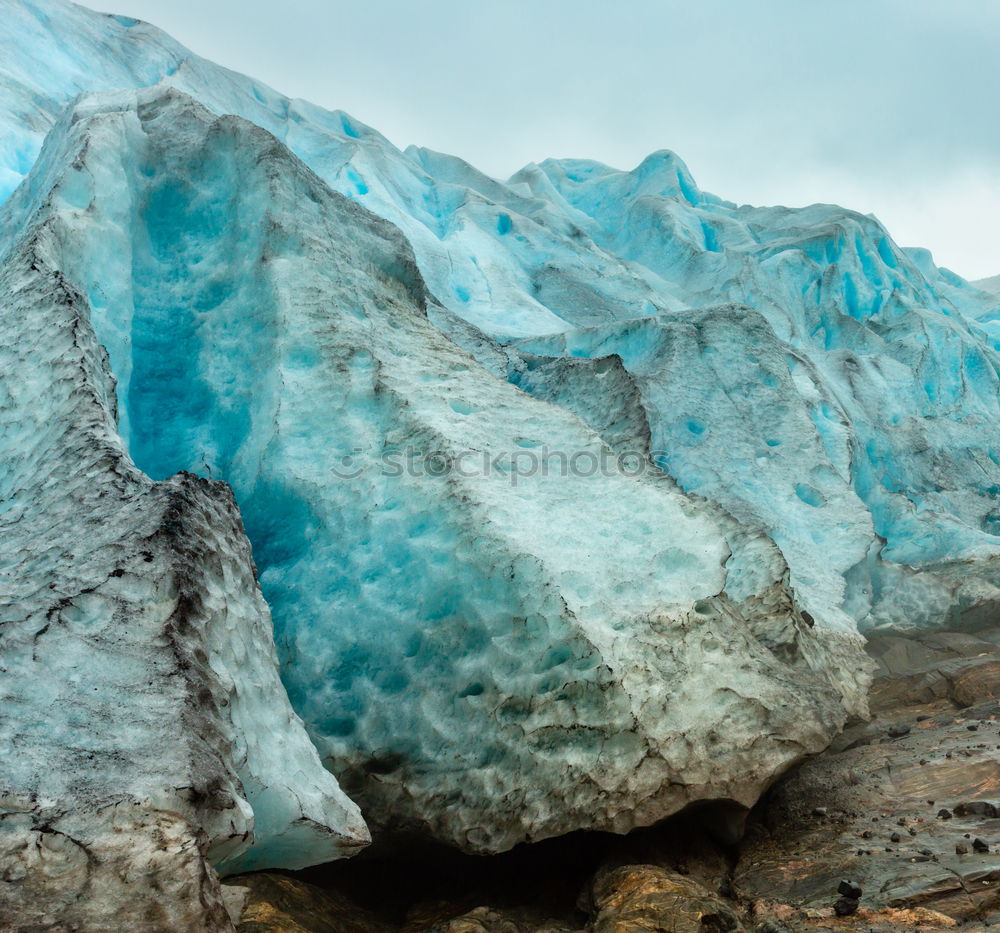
[[468, 651], [570, 246], [144, 723], [206, 286]]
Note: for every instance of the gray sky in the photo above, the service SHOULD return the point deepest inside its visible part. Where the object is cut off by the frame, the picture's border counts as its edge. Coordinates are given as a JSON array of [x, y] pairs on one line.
[[886, 106]]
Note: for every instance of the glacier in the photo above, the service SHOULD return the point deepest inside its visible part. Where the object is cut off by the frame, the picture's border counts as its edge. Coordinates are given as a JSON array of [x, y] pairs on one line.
[[989, 285], [145, 725], [572, 244], [469, 657], [207, 286]]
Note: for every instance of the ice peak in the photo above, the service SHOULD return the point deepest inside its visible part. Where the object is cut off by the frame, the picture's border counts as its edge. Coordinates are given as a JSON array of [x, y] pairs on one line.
[[664, 172]]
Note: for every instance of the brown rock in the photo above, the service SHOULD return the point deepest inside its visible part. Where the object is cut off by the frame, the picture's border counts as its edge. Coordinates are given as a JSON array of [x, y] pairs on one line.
[[488, 920], [791, 858], [644, 898], [976, 683], [845, 906], [934, 666], [282, 904], [977, 808]]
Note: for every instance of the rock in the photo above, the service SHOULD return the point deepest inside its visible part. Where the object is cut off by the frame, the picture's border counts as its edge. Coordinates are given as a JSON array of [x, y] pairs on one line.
[[771, 926], [849, 889], [637, 898], [698, 844], [976, 682], [961, 849], [944, 814], [899, 730], [845, 906], [979, 846], [488, 920], [929, 666], [282, 904], [977, 808], [790, 859], [913, 918]]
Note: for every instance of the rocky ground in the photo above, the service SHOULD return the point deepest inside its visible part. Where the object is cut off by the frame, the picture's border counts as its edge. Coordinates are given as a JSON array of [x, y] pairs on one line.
[[896, 827]]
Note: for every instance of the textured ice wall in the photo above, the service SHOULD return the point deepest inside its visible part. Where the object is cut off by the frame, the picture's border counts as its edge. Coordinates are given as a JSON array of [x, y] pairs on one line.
[[904, 353], [842, 465], [144, 727], [482, 656], [845, 401]]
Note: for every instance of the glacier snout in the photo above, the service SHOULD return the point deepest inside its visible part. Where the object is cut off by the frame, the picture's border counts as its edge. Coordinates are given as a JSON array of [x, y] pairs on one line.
[[481, 661], [226, 313]]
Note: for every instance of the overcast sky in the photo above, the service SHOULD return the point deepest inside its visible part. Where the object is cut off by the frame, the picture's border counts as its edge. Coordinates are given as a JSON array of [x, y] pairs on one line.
[[886, 106]]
